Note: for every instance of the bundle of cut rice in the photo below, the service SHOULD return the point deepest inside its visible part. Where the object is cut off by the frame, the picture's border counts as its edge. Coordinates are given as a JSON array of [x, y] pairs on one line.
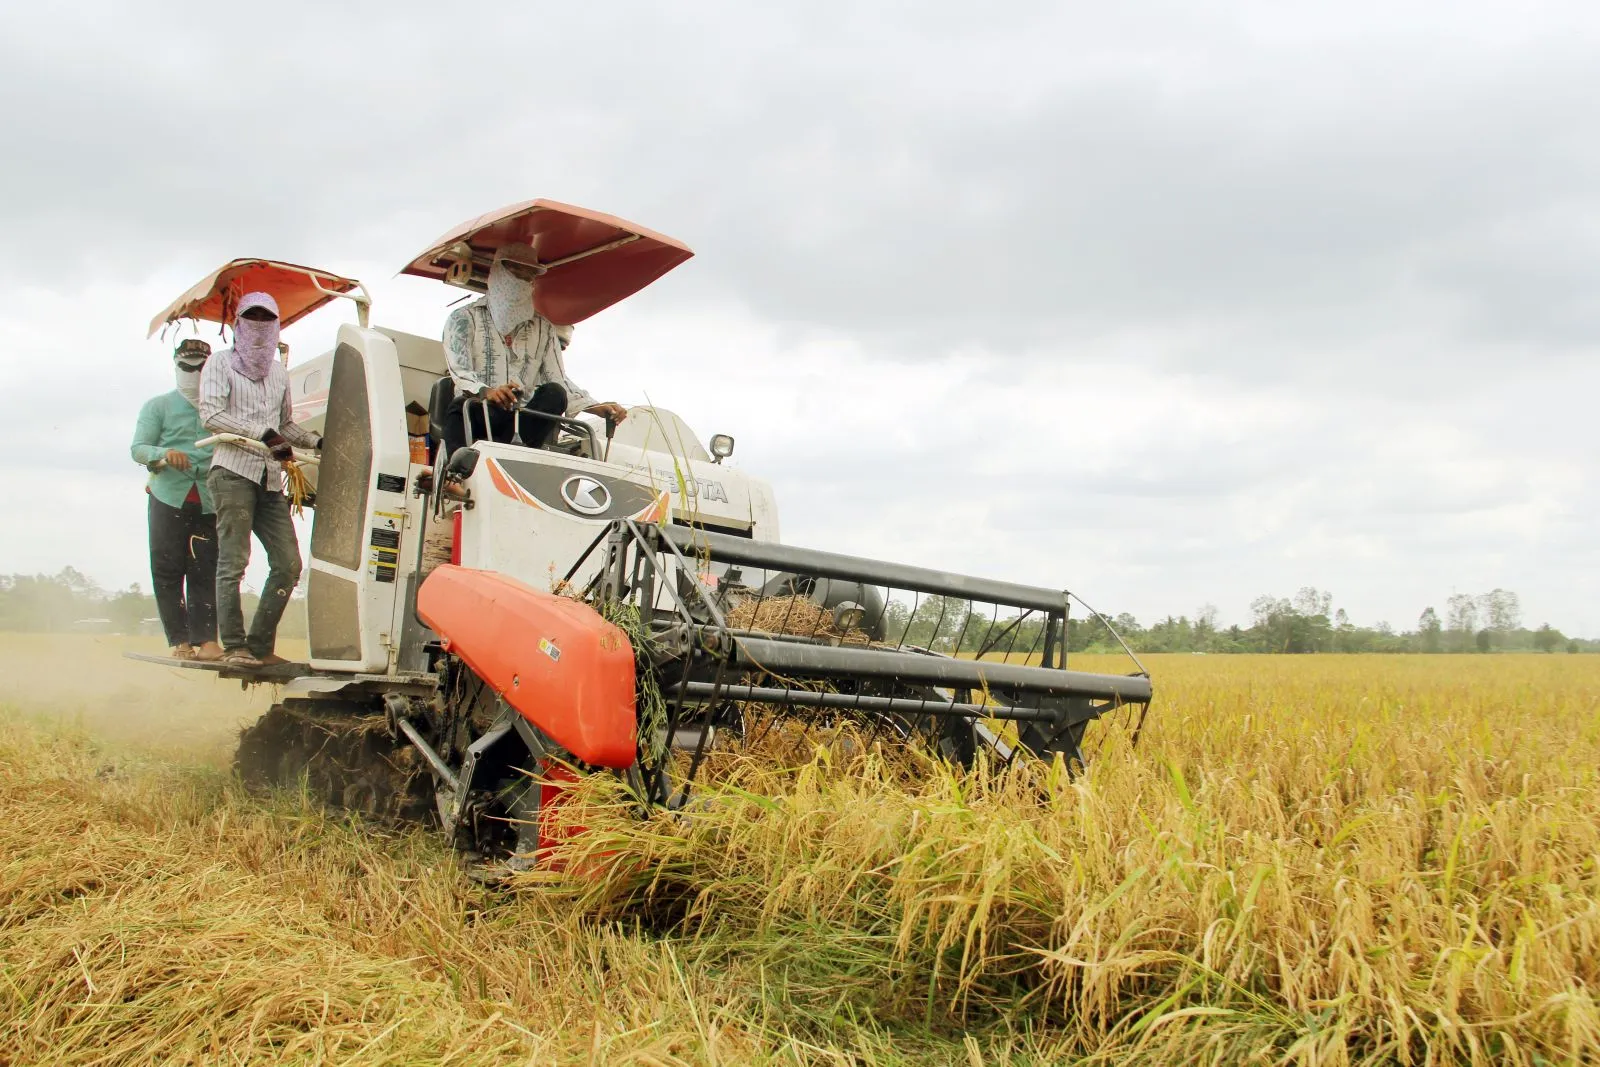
[[794, 615]]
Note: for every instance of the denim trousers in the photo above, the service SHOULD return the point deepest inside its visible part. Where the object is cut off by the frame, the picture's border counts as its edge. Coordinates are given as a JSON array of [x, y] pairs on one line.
[[244, 508]]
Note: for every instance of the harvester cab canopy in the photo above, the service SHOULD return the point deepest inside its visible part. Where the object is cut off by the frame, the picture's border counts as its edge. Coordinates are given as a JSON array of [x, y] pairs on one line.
[[587, 260], [298, 290]]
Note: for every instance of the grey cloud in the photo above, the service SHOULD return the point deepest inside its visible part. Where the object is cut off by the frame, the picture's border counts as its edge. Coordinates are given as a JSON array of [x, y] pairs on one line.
[[1382, 217], [1053, 177]]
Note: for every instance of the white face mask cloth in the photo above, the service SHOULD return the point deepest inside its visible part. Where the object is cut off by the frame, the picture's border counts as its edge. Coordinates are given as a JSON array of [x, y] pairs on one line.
[[188, 362], [510, 297], [255, 341], [189, 381]]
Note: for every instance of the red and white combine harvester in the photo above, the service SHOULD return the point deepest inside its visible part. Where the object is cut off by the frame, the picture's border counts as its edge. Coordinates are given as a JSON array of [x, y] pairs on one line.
[[617, 601]]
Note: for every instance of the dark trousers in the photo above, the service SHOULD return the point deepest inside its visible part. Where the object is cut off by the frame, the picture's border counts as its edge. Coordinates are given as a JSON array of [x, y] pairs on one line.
[[244, 508], [550, 398], [183, 569]]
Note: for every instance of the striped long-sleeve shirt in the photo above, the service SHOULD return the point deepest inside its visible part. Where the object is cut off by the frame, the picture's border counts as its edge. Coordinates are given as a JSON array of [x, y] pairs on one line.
[[232, 403], [479, 359]]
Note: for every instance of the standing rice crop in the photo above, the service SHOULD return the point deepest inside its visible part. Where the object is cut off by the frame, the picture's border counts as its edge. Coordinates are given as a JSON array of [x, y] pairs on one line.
[[1342, 860]]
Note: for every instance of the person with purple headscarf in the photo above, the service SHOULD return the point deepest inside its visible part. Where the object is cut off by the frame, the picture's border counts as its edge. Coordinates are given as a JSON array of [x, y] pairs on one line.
[[244, 390]]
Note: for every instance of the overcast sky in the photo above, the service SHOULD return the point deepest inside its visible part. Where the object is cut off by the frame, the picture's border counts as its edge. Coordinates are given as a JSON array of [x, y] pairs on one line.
[[1163, 302]]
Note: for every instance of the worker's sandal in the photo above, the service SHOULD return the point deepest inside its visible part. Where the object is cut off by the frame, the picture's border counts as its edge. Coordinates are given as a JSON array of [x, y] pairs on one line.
[[240, 657]]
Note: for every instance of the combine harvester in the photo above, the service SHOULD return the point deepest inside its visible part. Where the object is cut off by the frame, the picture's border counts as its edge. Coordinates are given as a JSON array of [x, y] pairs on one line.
[[487, 625]]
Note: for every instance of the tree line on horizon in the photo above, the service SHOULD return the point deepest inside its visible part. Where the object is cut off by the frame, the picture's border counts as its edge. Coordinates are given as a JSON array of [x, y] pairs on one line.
[[1308, 623], [71, 601], [1304, 623]]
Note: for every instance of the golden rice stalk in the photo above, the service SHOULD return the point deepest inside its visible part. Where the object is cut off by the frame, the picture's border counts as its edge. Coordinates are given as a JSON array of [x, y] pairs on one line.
[[1342, 860], [299, 486]]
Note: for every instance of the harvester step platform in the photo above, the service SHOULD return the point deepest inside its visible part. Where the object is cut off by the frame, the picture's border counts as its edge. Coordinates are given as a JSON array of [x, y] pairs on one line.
[[278, 672]]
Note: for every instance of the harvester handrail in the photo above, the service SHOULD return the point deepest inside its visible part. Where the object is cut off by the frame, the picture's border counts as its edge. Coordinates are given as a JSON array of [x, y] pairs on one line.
[[769, 555], [302, 456]]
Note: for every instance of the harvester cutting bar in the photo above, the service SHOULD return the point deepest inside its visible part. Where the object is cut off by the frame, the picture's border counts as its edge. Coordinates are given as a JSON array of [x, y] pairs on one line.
[[804, 659], [857, 702], [809, 561]]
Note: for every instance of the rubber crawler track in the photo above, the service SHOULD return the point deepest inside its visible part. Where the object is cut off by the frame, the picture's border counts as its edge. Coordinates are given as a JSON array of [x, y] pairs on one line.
[[346, 759]]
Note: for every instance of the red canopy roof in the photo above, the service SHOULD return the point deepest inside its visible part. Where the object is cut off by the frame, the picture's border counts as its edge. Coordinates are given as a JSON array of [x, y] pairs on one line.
[[298, 290], [591, 260]]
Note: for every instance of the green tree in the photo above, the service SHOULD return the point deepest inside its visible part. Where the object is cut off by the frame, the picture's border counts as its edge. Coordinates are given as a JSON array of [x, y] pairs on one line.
[[896, 621], [1205, 628], [1501, 611], [1546, 638], [129, 608], [1462, 614], [1301, 625], [40, 602], [1430, 633], [937, 621]]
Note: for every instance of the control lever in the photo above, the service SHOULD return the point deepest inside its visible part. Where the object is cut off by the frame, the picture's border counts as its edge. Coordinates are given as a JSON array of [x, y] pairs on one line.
[[516, 416], [611, 431]]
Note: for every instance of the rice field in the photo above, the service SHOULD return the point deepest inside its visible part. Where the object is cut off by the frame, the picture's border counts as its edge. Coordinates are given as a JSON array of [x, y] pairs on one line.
[[1306, 860]]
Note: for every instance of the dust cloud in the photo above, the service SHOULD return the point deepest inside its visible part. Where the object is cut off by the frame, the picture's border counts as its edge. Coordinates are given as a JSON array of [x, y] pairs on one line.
[[84, 681]]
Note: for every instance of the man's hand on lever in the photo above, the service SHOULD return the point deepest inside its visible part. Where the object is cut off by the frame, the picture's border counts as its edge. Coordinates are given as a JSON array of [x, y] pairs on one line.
[[613, 412], [503, 396], [178, 461]]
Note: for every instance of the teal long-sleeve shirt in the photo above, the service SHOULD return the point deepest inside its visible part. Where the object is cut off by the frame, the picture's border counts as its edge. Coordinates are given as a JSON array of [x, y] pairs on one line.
[[169, 422]]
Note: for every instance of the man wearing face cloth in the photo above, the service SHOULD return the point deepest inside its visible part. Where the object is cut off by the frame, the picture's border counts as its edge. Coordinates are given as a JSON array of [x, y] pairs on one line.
[[501, 350], [245, 391], [183, 529]]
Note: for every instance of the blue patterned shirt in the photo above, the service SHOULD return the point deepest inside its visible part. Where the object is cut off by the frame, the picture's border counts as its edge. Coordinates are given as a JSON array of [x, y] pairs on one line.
[[479, 359]]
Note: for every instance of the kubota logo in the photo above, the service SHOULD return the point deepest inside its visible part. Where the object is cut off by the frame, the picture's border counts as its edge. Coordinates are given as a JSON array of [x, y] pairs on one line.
[[585, 495]]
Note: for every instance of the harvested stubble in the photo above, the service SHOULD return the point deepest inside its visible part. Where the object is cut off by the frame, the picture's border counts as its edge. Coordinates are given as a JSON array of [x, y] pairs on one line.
[[1308, 860]]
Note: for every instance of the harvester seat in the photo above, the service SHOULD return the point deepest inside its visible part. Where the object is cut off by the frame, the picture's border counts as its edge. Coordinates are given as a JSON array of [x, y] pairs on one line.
[[439, 401]]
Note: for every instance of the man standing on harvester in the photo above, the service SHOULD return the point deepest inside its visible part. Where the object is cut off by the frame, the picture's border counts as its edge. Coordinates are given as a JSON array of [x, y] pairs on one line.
[[245, 391], [501, 350], [183, 528]]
